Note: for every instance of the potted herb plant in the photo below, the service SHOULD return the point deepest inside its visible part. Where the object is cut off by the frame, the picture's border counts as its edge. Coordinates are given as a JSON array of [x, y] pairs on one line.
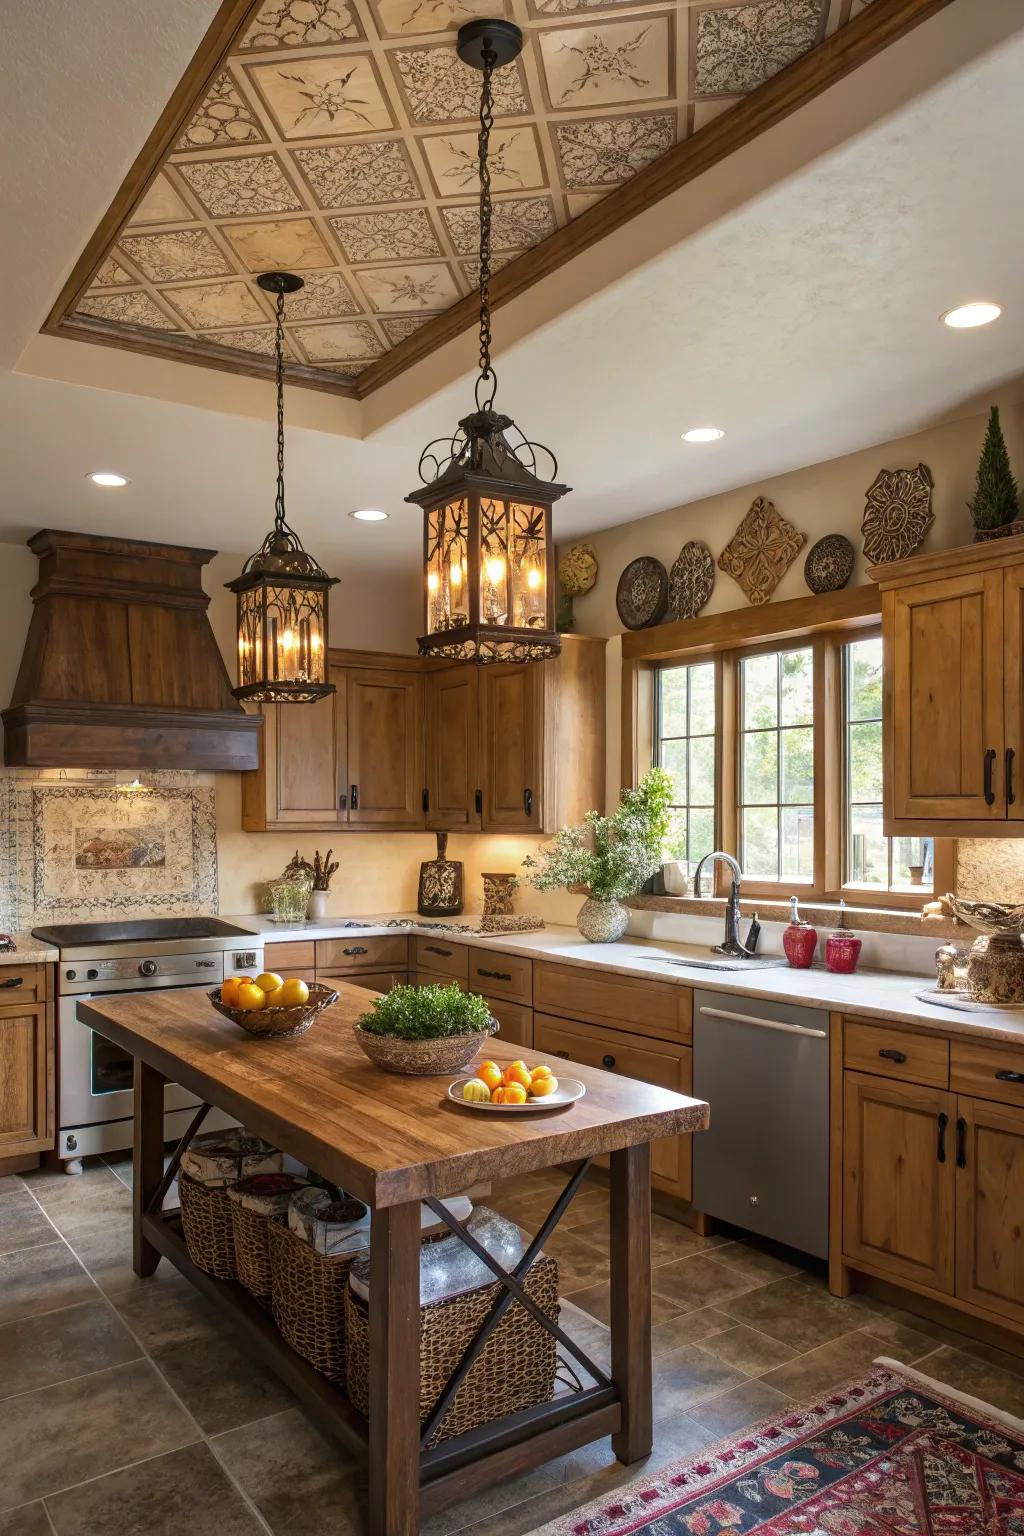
[[611, 857], [674, 874], [323, 871], [425, 1030]]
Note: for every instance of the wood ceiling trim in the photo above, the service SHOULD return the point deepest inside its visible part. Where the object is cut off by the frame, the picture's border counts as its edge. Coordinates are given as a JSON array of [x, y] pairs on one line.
[[838, 55]]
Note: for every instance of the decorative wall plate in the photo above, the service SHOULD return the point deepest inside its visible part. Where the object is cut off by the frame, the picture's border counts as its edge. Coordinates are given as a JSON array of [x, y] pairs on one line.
[[761, 550], [691, 580], [829, 563], [897, 514], [577, 570], [642, 594]]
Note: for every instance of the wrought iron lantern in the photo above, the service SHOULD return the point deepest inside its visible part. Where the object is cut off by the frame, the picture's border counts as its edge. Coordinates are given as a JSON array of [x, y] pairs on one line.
[[282, 591], [489, 555]]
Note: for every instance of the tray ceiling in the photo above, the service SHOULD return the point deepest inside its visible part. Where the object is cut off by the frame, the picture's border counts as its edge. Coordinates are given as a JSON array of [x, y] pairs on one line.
[[337, 138]]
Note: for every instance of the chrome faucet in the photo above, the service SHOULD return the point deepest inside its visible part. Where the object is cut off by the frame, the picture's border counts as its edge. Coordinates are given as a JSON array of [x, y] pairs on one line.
[[731, 943]]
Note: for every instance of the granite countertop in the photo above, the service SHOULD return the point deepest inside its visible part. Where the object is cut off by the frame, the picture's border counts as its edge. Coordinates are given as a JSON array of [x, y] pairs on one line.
[[868, 994], [27, 951]]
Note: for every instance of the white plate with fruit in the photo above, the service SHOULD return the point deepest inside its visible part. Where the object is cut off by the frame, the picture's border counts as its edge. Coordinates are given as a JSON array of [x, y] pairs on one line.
[[271, 1005], [515, 1089]]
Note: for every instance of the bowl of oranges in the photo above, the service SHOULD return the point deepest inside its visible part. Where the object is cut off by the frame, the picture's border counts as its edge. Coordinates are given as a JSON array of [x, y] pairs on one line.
[[515, 1088], [270, 1005]]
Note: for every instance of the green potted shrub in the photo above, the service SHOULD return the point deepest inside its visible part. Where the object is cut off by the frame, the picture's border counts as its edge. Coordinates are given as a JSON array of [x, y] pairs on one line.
[[425, 1030], [995, 505]]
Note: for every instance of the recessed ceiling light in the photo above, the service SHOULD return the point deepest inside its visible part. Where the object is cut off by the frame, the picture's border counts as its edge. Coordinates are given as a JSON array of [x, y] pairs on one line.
[[966, 316], [369, 515], [107, 477], [703, 435]]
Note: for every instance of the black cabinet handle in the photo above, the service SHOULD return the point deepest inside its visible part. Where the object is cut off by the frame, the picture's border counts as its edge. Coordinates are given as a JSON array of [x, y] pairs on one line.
[[494, 975], [528, 801], [13, 981], [426, 801], [941, 1152], [478, 802], [564, 1054], [354, 796], [1010, 796], [961, 1142], [608, 1062], [356, 949], [435, 949], [1005, 1076], [890, 1055], [342, 800], [990, 794]]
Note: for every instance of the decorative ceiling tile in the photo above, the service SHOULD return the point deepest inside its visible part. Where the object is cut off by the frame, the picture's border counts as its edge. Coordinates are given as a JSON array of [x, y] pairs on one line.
[[176, 254], [499, 259], [214, 306], [302, 24], [608, 62], [394, 290], [514, 161], [281, 245], [112, 275], [161, 205], [603, 151], [126, 309], [348, 373], [345, 341], [579, 202], [386, 236], [406, 325], [546, 8], [735, 48], [516, 224], [355, 175], [324, 96], [223, 118], [404, 18], [324, 295], [249, 340], [439, 88], [248, 184]]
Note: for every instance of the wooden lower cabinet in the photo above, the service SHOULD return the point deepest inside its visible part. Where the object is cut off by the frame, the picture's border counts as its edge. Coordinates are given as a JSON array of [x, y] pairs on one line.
[[374, 981], [663, 1063], [515, 1021], [26, 1079], [990, 1207]]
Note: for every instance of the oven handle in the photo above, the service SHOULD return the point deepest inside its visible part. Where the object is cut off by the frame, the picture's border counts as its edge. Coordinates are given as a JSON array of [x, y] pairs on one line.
[[749, 1018]]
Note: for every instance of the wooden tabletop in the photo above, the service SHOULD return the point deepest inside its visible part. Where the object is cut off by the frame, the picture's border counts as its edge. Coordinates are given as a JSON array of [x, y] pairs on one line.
[[385, 1137]]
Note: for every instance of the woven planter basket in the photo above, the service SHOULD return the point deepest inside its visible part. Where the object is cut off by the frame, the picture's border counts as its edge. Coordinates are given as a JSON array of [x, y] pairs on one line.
[[252, 1249], [423, 1058], [278, 1023], [515, 1370], [309, 1299], [206, 1223]]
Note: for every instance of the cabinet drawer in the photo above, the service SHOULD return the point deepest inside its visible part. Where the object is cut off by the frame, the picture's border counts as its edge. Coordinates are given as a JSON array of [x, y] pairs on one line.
[[374, 981], [987, 1069], [902, 1053], [438, 955], [363, 954], [427, 978], [291, 957], [516, 1022], [22, 983], [665, 1065], [658, 1008], [498, 975]]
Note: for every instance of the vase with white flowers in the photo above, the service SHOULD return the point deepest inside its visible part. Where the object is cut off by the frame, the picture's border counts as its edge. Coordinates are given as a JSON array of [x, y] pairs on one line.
[[610, 857]]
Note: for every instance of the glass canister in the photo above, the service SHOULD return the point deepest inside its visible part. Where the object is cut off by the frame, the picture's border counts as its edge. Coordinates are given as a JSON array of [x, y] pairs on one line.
[[290, 898], [842, 947], [799, 939]]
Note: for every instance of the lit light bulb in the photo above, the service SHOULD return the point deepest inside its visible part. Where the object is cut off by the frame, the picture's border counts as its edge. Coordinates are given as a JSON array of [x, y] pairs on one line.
[[433, 581], [287, 640], [315, 642], [533, 579], [455, 574], [495, 568]]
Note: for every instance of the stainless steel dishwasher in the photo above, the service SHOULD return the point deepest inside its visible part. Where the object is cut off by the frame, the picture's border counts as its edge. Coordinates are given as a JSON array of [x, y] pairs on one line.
[[763, 1165]]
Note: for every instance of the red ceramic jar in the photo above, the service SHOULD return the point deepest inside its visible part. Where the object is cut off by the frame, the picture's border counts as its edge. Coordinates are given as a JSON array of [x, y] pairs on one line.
[[799, 939]]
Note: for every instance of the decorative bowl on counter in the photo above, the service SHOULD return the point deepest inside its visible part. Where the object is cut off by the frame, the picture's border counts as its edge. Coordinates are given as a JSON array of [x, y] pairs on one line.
[[423, 1058], [278, 1023], [995, 966]]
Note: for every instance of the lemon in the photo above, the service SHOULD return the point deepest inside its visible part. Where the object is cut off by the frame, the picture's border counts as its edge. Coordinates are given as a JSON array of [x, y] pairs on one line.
[[476, 1091], [293, 993], [275, 999], [269, 981], [250, 997]]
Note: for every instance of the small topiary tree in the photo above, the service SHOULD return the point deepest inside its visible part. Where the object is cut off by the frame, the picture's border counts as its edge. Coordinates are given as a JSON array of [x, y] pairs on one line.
[[995, 501]]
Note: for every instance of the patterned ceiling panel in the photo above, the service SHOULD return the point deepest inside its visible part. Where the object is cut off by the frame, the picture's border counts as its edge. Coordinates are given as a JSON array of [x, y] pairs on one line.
[[338, 141]]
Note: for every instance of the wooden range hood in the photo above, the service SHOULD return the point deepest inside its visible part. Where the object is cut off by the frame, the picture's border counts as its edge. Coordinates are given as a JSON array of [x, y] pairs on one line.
[[121, 668]]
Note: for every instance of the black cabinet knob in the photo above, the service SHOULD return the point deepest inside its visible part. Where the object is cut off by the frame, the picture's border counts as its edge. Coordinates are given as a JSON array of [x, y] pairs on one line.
[[608, 1062]]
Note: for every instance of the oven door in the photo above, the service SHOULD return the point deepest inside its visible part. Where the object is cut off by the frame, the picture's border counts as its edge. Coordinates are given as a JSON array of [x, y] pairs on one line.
[[96, 1076]]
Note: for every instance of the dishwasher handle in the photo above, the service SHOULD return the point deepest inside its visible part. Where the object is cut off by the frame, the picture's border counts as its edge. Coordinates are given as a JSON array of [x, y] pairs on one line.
[[750, 1018]]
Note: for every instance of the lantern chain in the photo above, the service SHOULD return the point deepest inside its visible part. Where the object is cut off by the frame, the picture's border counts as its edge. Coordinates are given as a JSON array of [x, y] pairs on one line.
[[279, 501], [490, 59]]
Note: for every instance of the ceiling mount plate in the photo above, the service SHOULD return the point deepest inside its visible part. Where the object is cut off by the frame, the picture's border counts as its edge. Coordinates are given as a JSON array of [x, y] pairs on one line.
[[504, 39], [280, 282]]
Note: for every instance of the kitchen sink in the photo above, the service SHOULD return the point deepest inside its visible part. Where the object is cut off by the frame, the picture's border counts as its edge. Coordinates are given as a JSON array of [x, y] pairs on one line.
[[703, 960]]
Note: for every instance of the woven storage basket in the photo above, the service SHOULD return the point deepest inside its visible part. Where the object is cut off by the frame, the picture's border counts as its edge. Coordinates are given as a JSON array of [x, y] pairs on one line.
[[515, 1370], [206, 1223], [252, 1250], [309, 1299]]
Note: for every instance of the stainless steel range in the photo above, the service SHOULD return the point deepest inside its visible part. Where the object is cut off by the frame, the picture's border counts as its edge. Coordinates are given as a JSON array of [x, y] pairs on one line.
[[94, 1109]]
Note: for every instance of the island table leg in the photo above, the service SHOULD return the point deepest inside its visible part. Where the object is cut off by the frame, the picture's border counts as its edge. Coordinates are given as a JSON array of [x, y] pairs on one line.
[[629, 1234], [147, 1159], [394, 1386]]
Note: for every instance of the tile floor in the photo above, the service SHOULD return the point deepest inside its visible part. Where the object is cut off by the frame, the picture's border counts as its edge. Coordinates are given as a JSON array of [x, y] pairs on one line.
[[127, 1407]]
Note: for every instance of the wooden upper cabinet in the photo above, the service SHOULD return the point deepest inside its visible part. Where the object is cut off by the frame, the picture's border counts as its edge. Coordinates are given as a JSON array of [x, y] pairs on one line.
[[512, 722], [386, 771], [304, 773], [454, 786], [1013, 681]]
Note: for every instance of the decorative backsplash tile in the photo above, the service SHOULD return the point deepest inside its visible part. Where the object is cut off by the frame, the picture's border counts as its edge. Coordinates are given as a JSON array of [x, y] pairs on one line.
[[79, 846], [990, 869]]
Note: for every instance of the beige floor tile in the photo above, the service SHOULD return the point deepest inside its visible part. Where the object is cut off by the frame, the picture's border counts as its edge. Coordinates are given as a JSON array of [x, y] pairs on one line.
[[166, 1309], [756, 1262], [185, 1491], [977, 1378], [800, 1315], [29, 1520], [220, 1385], [11, 1184], [301, 1483], [39, 1351], [22, 1223], [596, 1300], [56, 1190], [41, 1279], [700, 1281], [689, 1328], [732, 1411], [1000, 1358], [831, 1364], [901, 1341], [687, 1375], [749, 1351]]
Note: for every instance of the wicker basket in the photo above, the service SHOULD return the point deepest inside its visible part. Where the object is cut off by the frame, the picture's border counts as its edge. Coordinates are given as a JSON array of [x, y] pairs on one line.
[[278, 1023], [206, 1223], [252, 1249], [309, 1299], [423, 1058], [515, 1370]]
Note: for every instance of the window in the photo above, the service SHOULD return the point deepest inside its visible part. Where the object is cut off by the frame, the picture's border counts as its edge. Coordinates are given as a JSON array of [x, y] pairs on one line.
[[776, 799], [873, 861], [685, 747]]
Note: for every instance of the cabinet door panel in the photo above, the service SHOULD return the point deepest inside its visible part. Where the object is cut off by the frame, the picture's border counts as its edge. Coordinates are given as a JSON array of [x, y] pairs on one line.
[[25, 1094], [515, 1021], [990, 1209], [385, 749], [305, 755], [512, 716], [898, 1177], [944, 705], [1013, 624], [453, 736]]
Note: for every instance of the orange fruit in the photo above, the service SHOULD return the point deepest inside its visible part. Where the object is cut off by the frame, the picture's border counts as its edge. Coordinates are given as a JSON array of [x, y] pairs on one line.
[[512, 1093], [517, 1075], [293, 993], [542, 1086], [269, 981], [490, 1073], [540, 1071], [250, 997], [229, 989], [275, 999]]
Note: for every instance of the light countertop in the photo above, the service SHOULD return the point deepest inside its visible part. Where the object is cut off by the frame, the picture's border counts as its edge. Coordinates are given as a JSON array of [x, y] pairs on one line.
[[868, 994], [27, 951]]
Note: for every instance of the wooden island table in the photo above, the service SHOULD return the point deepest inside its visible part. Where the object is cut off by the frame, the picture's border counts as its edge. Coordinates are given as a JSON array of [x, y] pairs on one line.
[[394, 1142]]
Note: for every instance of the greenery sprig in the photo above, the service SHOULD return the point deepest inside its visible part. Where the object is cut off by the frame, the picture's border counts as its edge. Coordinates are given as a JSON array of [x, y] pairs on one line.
[[613, 856], [426, 1013]]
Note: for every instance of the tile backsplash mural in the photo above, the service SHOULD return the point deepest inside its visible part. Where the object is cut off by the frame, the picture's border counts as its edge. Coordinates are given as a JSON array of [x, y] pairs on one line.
[[80, 845]]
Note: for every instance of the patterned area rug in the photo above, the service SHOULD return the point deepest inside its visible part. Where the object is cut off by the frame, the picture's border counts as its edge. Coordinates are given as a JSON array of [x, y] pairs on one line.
[[895, 1454]]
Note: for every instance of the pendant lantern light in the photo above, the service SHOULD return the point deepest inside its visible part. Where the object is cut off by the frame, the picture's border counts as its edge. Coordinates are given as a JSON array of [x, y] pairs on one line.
[[282, 591], [489, 556]]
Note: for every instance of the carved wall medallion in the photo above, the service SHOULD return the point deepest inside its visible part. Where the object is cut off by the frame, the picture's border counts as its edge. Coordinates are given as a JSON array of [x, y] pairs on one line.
[[829, 563], [691, 580], [897, 514], [761, 550], [577, 570], [641, 597]]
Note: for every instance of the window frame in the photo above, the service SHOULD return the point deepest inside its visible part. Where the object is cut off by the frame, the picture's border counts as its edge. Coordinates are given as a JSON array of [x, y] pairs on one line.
[[659, 737]]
